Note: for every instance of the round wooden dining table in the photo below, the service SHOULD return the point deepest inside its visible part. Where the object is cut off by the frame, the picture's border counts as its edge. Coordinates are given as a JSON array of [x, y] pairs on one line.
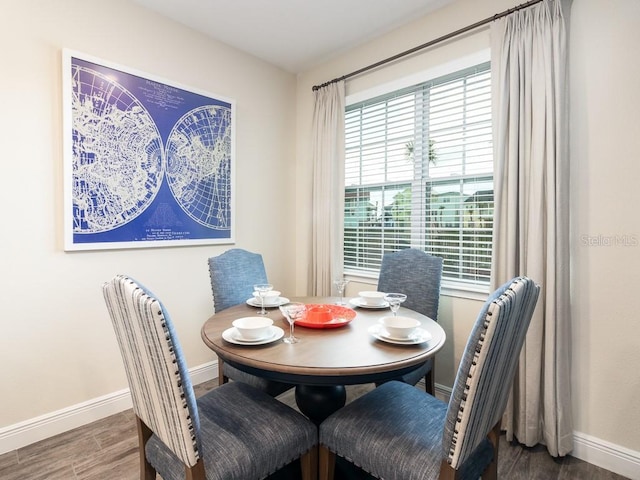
[[325, 359]]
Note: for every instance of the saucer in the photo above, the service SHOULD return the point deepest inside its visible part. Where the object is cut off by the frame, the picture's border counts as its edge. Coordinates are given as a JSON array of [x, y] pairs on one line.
[[419, 336], [254, 302], [232, 335], [359, 302]]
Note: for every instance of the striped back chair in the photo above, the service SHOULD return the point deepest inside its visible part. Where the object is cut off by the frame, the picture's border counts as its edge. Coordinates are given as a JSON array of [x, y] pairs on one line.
[[233, 275], [161, 390], [224, 430], [483, 382], [398, 432], [418, 275]]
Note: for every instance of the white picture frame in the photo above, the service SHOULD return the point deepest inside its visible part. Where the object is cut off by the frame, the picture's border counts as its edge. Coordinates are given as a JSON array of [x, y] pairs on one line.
[[147, 162]]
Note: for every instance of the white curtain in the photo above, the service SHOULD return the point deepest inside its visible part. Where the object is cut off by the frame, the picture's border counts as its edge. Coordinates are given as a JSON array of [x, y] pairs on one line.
[[328, 187], [531, 218]]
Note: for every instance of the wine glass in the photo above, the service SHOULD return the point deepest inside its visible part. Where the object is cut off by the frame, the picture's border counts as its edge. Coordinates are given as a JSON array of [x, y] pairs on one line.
[[394, 300], [262, 289], [340, 284], [292, 311]]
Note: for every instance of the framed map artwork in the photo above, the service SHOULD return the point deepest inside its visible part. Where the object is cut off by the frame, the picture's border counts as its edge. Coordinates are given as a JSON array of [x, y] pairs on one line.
[[148, 163]]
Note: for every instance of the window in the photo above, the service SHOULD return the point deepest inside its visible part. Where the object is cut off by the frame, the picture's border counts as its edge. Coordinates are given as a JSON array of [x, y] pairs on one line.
[[419, 173]]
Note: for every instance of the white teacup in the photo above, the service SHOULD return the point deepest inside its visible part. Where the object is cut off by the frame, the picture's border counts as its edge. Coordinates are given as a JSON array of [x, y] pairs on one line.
[[270, 298], [400, 327], [253, 328], [371, 297]]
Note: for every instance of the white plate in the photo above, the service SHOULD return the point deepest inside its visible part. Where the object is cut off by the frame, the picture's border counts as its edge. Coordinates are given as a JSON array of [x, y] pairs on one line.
[[419, 336], [233, 336], [359, 302], [254, 302]]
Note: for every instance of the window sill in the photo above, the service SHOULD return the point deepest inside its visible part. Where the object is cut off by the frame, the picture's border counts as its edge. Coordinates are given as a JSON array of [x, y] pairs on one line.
[[464, 290]]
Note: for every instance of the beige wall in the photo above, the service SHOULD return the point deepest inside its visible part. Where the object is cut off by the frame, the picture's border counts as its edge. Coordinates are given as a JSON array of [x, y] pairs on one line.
[[605, 145], [605, 102], [57, 345]]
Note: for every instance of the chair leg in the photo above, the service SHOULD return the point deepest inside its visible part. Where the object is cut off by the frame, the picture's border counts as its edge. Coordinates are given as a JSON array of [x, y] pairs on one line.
[[430, 379], [309, 464], [327, 463], [447, 472], [147, 472], [196, 472], [491, 472], [222, 378]]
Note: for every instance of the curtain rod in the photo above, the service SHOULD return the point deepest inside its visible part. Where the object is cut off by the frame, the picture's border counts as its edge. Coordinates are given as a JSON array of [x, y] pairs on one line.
[[428, 44]]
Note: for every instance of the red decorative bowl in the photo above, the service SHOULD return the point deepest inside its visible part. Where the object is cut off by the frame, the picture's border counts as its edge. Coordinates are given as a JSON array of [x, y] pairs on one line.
[[326, 316]]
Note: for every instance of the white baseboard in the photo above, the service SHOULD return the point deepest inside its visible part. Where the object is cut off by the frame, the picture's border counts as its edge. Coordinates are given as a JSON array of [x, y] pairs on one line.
[[598, 452], [443, 392], [204, 373], [45, 426], [609, 456]]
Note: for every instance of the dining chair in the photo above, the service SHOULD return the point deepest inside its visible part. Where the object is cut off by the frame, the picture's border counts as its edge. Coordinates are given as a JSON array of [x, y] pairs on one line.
[[398, 432], [232, 432], [233, 275], [418, 275]]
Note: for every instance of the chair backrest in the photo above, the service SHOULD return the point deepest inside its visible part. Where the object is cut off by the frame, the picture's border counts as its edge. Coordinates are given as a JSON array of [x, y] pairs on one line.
[[161, 389], [487, 368], [233, 275], [416, 274]]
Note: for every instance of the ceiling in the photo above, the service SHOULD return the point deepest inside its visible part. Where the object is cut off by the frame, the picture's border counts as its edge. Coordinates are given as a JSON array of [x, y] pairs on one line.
[[295, 35]]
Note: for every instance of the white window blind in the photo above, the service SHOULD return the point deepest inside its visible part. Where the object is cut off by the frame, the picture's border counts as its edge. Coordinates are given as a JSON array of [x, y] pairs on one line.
[[419, 173]]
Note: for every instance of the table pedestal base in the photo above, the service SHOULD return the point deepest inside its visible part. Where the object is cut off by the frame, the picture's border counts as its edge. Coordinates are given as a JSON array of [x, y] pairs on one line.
[[318, 402]]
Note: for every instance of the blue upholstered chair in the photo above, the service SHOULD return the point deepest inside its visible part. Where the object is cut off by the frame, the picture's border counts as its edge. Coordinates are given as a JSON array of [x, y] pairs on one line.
[[418, 275], [233, 275], [398, 432], [233, 432]]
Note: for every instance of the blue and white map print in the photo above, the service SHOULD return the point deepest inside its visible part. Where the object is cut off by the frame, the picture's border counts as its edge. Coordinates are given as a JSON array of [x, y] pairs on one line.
[[198, 164], [151, 163]]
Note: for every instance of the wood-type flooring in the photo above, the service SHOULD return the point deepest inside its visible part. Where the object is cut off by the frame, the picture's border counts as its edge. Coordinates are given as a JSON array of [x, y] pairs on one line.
[[108, 450]]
